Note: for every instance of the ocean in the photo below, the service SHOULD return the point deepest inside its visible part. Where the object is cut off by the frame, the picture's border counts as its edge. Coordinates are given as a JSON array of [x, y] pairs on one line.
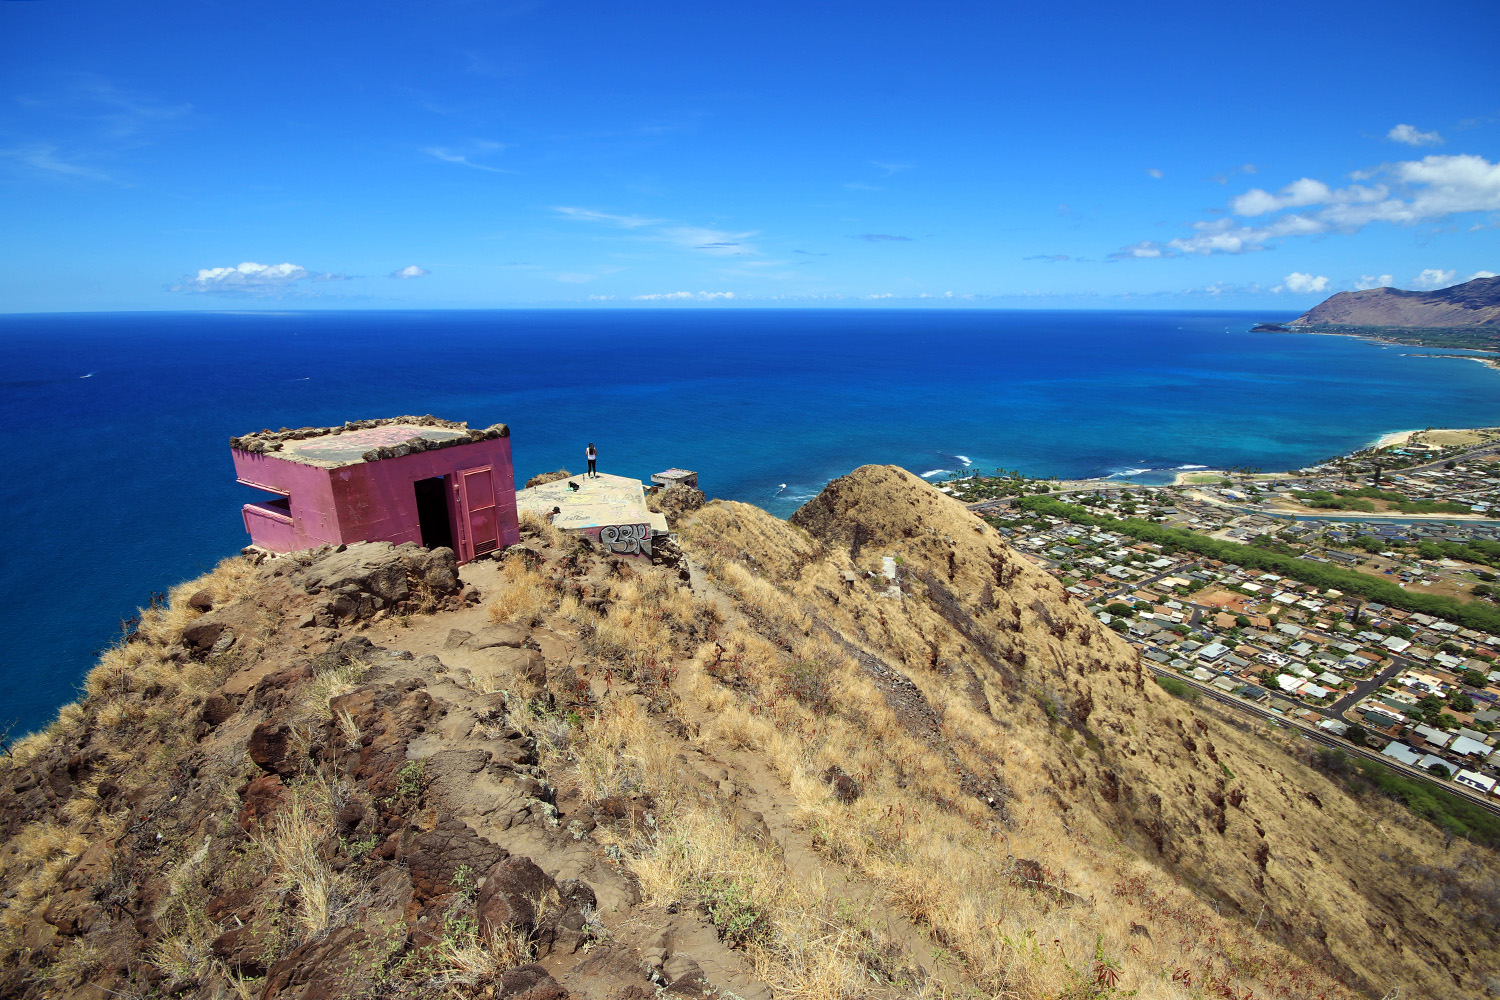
[[116, 426]]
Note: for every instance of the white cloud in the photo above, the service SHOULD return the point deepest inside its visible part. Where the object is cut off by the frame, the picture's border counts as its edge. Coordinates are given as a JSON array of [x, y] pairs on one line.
[[249, 279], [1412, 137], [888, 169], [45, 158], [682, 296], [1434, 277], [1302, 284], [574, 277], [1153, 172], [1432, 188], [451, 156], [410, 271], [1375, 281], [589, 215], [1303, 192], [714, 242]]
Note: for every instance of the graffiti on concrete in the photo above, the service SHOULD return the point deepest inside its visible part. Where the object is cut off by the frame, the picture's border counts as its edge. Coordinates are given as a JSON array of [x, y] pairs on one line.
[[627, 539]]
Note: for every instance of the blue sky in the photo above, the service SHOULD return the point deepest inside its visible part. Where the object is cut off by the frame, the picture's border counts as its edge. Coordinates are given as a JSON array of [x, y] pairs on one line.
[[491, 154]]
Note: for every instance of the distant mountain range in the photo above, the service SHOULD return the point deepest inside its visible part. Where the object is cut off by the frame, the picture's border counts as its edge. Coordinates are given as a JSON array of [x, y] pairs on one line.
[[1472, 304]]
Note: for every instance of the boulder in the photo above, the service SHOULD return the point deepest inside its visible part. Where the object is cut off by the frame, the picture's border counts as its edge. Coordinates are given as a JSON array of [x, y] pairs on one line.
[[495, 635], [675, 501], [72, 912], [436, 858], [845, 788], [359, 579], [201, 636], [268, 748], [505, 899], [216, 710], [260, 798], [529, 982]]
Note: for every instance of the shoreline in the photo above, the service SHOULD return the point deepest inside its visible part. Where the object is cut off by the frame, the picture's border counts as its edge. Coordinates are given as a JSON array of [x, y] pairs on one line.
[[1393, 438]]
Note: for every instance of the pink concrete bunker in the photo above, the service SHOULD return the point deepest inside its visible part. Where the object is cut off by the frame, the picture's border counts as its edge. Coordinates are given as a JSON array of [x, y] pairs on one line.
[[403, 479]]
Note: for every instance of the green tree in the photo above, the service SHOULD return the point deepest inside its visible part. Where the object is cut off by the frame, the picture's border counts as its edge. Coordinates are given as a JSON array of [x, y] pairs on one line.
[[1119, 609], [1356, 734], [1430, 707], [1475, 678], [1441, 770], [1240, 621], [1461, 702]]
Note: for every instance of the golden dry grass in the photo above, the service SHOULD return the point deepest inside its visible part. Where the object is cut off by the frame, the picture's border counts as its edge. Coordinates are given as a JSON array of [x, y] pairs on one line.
[[798, 944], [296, 844], [532, 523], [332, 683], [522, 594], [934, 851], [619, 751]]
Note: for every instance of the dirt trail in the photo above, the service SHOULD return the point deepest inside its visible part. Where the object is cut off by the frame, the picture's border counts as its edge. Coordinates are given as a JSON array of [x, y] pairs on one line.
[[669, 946]]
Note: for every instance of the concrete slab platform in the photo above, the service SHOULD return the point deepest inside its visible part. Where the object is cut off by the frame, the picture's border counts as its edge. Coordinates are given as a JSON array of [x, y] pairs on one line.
[[598, 502]]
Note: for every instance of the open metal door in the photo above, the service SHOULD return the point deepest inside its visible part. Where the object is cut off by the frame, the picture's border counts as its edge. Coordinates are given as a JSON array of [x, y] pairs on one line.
[[478, 513]]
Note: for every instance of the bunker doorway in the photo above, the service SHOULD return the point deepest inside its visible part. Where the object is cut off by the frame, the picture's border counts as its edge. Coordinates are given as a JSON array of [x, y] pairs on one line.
[[432, 512]]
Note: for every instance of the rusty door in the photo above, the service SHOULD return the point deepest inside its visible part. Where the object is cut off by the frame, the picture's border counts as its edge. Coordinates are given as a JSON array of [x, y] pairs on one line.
[[478, 512]]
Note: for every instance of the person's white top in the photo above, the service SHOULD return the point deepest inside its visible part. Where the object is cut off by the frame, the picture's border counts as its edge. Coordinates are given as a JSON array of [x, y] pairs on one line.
[[590, 454]]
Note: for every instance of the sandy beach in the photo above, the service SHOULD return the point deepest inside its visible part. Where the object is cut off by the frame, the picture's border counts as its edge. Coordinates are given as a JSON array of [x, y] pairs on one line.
[[1394, 438]]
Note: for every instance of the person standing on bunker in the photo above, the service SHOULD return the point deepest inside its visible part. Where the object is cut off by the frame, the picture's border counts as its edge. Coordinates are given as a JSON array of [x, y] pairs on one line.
[[593, 456]]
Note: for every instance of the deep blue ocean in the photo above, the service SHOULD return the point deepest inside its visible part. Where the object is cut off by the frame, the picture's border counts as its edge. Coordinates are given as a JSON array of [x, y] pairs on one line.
[[118, 479]]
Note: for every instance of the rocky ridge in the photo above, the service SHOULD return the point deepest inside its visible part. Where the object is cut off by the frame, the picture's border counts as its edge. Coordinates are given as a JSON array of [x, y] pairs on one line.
[[764, 768]]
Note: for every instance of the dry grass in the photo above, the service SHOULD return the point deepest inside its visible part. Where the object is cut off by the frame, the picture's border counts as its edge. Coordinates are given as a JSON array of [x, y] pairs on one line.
[[620, 752], [799, 946], [522, 595], [532, 523], [297, 844], [935, 852], [331, 684], [467, 958], [227, 582], [38, 856]]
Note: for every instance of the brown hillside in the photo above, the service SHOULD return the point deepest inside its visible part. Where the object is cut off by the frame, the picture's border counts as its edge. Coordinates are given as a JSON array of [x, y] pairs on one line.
[[1471, 304], [766, 770]]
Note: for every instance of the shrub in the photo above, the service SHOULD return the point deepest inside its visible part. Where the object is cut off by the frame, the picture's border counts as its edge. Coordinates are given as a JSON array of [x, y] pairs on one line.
[[1177, 688]]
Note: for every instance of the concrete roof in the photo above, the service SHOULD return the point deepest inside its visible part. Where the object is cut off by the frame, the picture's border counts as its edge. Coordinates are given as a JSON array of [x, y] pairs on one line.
[[363, 440], [597, 502]]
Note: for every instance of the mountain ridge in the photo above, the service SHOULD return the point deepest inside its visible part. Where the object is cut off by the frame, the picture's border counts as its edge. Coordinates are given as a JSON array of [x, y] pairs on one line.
[[1474, 303], [871, 751]]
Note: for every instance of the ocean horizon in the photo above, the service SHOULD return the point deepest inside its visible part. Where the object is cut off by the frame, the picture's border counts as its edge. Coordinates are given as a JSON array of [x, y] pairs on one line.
[[117, 425]]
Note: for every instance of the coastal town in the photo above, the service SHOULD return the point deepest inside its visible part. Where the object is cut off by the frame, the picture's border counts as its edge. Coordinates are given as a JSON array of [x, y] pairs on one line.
[[1415, 513]]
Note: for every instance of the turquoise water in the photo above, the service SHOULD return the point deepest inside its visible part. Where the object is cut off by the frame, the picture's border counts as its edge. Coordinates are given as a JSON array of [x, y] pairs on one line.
[[119, 481]]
